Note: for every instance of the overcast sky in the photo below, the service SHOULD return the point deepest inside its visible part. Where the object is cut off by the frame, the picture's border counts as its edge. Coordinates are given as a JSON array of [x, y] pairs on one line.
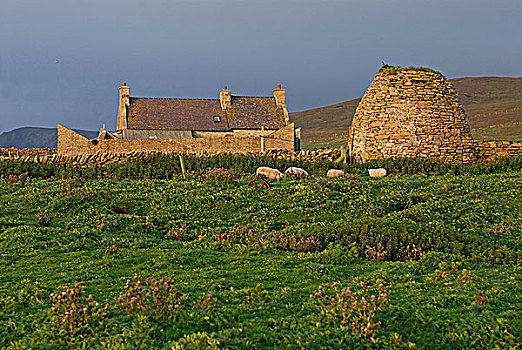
[[61, 61]]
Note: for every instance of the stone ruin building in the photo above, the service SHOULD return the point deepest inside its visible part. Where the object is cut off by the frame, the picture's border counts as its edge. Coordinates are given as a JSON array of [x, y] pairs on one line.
[[415, 112], [410, 112], [228, 124]]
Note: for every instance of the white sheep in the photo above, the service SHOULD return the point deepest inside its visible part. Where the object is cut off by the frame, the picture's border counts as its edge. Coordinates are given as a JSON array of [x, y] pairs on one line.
[[380, 172], [334, 173], [296, 171], [269, 172]]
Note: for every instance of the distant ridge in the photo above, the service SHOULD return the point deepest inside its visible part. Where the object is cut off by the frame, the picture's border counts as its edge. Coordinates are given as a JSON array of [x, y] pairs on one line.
[[492, 104], [35, 137]]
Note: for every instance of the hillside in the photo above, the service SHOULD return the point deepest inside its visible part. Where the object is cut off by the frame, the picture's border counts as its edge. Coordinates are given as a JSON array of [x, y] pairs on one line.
[[493, 106], [33, 137], [325, 126]]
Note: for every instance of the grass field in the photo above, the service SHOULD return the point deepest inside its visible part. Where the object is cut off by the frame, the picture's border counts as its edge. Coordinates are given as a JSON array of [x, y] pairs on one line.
[[420, 261]]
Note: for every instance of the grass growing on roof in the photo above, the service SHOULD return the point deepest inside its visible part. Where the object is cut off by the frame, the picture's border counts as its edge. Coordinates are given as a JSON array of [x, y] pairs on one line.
[[394, 69]]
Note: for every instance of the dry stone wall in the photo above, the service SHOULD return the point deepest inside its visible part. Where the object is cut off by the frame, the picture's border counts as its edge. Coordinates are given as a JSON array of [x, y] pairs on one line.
[[411, 113], [486, 151], [29, 152], [489, 150], [330, 155]]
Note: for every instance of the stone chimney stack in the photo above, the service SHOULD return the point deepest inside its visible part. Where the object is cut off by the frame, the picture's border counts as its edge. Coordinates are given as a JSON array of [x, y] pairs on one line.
[[280, 95], [122, 108], [280, 99], [225, 97]]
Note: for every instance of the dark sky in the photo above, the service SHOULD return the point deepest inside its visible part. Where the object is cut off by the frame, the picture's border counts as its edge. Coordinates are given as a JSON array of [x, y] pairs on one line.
[[62, 61]]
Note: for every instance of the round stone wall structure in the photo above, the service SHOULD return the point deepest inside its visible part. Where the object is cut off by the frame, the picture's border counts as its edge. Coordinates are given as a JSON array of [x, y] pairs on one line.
[[410, 112]]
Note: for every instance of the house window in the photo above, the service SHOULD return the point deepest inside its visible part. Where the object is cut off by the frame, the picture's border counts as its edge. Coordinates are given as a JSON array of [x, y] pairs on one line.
[[217, 119], [152, 136]]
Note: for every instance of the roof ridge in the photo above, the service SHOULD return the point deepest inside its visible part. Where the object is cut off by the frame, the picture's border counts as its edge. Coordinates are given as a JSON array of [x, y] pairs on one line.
[[177, 98], [196, 98], [253, 96]]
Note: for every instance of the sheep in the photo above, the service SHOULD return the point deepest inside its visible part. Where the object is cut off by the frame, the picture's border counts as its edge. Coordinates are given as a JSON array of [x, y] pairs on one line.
[[269, 172], [296, 171], [380, 172], [334, 173]]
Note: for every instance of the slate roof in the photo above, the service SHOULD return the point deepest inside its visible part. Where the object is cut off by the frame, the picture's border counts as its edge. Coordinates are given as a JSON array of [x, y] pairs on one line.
[[199, 114], [175, 114], [254, 112]]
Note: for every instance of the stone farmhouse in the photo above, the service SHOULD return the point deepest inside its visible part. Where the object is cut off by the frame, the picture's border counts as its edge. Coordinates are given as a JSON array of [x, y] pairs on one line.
[[232, 124]]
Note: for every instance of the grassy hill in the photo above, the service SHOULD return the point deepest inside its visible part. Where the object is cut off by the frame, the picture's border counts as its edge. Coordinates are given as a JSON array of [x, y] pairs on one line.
[[34, 137], [493, 105]]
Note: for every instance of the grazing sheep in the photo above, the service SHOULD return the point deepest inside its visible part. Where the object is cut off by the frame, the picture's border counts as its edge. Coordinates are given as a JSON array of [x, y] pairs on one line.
[[334, 173], [296, 171], [269, 172], [380, 172]]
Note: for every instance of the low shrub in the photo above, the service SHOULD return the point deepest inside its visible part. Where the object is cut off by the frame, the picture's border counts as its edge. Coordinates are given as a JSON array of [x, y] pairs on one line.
[[220, 176], [393, 239], [258, 238], [73, 314], [357, 310], [198, 340], [158, 299], [167, 166], [44, 218]]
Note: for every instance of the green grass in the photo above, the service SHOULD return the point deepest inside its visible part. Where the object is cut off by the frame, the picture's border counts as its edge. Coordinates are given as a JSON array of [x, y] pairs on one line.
[[463, 293], [394, 69]]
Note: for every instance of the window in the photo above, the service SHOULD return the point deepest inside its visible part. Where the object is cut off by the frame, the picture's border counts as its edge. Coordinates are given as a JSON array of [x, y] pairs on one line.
[[217, 119]]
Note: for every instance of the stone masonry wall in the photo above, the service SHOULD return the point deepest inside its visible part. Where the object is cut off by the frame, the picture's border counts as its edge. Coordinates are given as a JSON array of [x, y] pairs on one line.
[[72, 143], [411, 113], [489, 150]]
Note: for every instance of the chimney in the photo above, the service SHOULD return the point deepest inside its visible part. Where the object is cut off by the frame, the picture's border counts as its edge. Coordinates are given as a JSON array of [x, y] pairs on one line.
[[279, 95], [280, 100], [225, 97], [122, 108]]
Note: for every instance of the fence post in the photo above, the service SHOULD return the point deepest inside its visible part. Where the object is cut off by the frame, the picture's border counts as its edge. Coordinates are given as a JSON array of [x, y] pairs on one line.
[[343, 156], [182, 166], [262, 139]]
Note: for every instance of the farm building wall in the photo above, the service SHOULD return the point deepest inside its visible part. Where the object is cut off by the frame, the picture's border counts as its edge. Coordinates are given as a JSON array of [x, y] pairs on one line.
[[156, 134], [72, 143]]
